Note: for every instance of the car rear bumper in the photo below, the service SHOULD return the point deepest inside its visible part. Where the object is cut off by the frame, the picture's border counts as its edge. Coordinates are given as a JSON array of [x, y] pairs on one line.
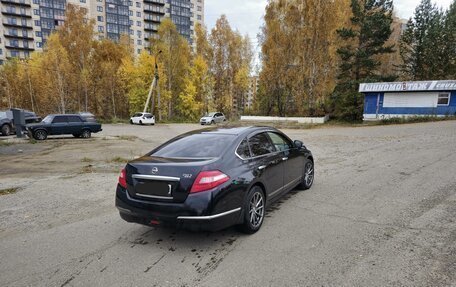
[[191, 214]]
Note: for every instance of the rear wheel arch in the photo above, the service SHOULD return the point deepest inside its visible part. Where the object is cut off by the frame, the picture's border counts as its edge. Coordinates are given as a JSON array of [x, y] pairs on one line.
[[260, 185]]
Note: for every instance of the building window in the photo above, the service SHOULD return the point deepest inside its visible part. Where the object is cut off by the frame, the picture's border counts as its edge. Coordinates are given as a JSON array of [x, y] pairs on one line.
[[100, 29], [138, 33], [99, 9], [100, 18], [138, 4], [199, 17], [39, 44], [1, 51], [200, 9], [36, 1], [37, 23], [444, 99], [138, 14], [38, 34], [139, 51], [139, 42], [130, 13], [82, 1], [36, 12], [138, 23]]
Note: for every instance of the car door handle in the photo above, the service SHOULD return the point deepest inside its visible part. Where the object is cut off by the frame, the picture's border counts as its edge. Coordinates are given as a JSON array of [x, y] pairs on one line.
[[284, 158], [261, 167]]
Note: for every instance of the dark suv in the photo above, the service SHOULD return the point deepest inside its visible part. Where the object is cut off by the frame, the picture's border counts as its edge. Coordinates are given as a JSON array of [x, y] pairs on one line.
[[7, 126], [62, 125]]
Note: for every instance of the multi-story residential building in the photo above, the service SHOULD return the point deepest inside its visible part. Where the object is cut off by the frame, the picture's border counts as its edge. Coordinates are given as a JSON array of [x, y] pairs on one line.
[[27, 23], [251, 94]]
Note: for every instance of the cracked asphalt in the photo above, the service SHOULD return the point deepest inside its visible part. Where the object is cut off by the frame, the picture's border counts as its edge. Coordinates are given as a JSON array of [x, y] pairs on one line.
[[382, 212]]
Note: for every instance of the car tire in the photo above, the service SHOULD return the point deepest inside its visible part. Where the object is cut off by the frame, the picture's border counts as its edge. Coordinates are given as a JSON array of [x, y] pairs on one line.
[[212, 123], [131, 122], [254, 210], [6, 130], [308, 176], [77, 135], [86, 134], [140, 122], [40, 135]]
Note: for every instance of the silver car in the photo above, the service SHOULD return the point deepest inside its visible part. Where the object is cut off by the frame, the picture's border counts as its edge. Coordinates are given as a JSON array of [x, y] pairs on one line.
[[212, 118]]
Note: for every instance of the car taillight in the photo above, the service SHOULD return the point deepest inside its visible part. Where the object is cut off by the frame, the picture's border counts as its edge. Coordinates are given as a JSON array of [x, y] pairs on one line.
[[207, 180], [123, 178]]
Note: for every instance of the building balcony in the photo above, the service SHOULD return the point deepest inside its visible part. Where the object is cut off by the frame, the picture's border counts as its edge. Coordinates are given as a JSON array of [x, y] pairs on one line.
[[151, 27], [27, 14], [25, 3], [17, 36], [149, 18], [155, 10], [28, 25], [22, 48], [158, 2]]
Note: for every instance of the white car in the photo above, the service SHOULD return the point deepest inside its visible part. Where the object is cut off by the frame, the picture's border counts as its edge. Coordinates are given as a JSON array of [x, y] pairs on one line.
[[142, 119], [212, 118]]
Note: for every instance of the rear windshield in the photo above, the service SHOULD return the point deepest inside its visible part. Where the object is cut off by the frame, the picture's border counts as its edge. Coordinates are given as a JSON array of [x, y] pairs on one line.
[[196, 146]]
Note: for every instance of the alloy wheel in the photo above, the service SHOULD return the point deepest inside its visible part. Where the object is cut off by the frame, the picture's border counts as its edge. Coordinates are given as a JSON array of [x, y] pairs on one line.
[[256, 209], [309, 174]]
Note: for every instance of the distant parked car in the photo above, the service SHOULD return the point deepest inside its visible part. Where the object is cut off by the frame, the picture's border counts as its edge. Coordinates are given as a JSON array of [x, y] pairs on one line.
[[212, 118], [88, 117], [7, 126], [62, 125], [142, 119]]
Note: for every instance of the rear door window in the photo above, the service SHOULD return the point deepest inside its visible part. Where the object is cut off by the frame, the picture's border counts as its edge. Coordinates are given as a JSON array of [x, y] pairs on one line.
[[260, 145], [74, 119], [60, 119]]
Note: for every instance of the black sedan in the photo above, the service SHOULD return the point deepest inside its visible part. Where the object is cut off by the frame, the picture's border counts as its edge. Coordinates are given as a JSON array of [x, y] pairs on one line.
[[213, 178]]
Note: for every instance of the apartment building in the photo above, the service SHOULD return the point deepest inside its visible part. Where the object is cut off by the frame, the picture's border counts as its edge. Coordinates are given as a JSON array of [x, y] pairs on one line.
[[26, 24]]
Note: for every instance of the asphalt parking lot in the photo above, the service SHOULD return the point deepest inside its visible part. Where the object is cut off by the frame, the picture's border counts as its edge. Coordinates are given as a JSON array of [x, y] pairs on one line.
[[382, 212]]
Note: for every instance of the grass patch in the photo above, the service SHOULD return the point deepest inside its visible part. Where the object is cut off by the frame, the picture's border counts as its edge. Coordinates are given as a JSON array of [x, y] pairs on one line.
[[88, 169], [118, 159], [5, 143], [9, 190], [411, 120], [86, 159], [127, 138]]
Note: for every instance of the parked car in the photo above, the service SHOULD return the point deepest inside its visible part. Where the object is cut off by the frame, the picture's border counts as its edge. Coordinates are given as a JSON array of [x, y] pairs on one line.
[[88, 117], [212, 118], [7, 126], [61, 125], [212, 179], [142, 119]]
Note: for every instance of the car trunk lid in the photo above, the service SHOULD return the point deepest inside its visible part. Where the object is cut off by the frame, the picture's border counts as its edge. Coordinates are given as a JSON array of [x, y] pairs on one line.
[[152, 178]]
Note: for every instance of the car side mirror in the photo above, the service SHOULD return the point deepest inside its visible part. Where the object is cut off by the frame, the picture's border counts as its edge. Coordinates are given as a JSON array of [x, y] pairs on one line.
[[298, 144]]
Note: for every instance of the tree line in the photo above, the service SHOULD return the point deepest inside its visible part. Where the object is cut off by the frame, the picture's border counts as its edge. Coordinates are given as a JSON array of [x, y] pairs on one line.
[[314, 54], [77, 73]]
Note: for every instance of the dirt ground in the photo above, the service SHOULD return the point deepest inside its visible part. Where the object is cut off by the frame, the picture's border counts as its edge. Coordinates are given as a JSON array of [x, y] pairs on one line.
[[382, 212]]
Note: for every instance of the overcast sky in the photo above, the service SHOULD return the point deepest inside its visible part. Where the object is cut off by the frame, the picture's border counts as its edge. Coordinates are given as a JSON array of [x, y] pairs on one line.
[[246, 15]]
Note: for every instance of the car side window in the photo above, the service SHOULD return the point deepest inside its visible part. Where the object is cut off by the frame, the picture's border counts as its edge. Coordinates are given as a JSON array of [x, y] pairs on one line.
[[260, 145], [74, 119], [243, 149], [281, 143], [60, 119]]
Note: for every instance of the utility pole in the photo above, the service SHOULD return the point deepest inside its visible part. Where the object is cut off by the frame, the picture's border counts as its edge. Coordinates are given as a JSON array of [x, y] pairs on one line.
[[153, 86]]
